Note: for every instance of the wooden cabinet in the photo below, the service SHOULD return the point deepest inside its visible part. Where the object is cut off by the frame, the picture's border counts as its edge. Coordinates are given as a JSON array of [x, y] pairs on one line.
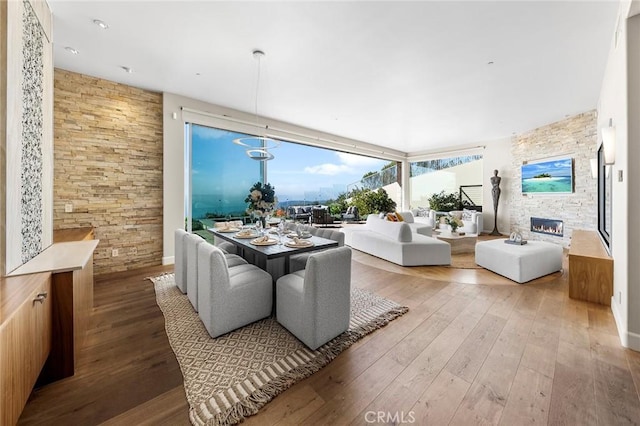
[[25, 340], [590, 269], [45, 306]]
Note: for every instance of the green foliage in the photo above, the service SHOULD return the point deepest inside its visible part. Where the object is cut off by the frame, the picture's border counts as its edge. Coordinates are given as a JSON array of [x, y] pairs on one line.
[[339, 205], [335, 208], [196, 225], [368, 201], [444, 202]]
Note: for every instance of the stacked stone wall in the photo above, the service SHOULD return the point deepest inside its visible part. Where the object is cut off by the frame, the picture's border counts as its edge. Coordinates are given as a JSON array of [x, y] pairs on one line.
[[108, 166], [575, 137]]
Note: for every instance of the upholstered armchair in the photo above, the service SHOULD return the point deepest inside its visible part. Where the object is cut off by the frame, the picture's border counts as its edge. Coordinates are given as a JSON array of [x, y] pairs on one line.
[[299, 261], [471, 219], [314, 304], [180, 262], [191, 243], [230, 298]]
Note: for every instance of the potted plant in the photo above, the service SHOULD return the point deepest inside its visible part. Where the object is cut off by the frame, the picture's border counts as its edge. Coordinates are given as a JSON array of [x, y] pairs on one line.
[[444, 202]]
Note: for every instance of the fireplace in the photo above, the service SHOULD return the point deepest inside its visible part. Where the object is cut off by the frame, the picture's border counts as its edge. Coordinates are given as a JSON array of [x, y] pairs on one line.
[[547, 226]]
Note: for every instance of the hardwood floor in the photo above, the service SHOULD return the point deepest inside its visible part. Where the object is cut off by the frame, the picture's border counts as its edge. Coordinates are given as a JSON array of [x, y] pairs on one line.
[[475, 348]]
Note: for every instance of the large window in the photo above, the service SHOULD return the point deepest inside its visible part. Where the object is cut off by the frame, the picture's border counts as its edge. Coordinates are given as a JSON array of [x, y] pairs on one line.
[[451, 175], [219, 174]]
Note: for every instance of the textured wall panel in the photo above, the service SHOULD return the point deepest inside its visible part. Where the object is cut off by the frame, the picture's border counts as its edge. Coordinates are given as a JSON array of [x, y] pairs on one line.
[[108, 165], [32, 129], [574, 137]]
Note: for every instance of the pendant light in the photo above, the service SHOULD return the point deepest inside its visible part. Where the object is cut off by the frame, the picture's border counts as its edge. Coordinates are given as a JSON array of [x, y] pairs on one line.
[[258, 146]]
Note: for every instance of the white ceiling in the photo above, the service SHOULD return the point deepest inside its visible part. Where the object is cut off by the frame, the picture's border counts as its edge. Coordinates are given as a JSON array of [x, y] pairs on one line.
[[413, 76]]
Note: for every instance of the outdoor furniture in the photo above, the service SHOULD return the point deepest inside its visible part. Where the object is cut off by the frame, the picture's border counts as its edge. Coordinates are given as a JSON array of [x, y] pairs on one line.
[[351, 215], [321, 217], [314, 304], [299, 213], [230, 298], [180, 268], [520, 263]]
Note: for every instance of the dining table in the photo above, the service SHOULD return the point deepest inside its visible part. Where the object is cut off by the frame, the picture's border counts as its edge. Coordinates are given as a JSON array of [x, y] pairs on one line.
[[272, 258]]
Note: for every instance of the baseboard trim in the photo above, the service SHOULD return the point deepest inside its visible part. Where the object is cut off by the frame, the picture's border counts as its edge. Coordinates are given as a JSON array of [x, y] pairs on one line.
[[168, 260], [627, 339], [634, 341]]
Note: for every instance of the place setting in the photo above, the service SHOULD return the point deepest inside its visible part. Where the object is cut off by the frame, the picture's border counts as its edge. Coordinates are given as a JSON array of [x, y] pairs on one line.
[[298, 242], [246, 234], [228, 228], [264, 241]]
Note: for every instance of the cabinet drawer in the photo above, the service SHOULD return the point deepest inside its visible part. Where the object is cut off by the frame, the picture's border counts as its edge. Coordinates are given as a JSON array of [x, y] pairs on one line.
[[25, 342]]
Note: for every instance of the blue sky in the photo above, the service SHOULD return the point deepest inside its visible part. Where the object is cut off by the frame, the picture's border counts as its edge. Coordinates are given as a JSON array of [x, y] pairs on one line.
[[298, 171], [555, 168]]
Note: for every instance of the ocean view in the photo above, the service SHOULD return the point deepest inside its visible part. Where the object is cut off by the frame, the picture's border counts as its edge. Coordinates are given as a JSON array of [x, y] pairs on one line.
[[548, 184]]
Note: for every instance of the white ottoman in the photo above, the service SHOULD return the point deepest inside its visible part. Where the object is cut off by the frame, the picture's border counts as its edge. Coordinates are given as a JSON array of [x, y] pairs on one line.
[[519, 263]]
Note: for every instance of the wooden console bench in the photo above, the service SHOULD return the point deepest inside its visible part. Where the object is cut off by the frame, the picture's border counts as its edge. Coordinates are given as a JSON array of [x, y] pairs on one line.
[[44, 313], [590, 269]]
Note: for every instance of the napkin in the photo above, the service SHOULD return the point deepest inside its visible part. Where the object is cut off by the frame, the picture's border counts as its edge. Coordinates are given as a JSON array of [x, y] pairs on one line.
[[262, 239], [245, 232]]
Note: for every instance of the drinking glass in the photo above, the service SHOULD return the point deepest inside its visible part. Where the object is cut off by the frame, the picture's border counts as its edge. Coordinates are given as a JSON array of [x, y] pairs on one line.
[[281, 228], [259, 227]]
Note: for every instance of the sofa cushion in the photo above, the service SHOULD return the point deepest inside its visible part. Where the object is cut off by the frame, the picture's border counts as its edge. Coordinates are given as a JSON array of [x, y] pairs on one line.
[[407, 216], [398, 231]]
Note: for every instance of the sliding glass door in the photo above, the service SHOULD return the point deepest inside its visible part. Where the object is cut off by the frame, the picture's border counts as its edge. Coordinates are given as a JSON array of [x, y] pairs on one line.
[[218, 176]]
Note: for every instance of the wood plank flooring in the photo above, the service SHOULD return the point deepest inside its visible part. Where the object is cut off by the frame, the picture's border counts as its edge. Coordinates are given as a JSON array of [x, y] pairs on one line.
[[475, 348]]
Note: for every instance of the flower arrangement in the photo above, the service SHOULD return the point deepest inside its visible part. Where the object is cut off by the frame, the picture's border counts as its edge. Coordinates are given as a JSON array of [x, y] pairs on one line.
[[453, 222], [261, 199]]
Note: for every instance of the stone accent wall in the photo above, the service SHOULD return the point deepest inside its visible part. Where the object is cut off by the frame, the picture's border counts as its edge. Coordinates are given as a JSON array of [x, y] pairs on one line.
[[108, 165], [574, 137]]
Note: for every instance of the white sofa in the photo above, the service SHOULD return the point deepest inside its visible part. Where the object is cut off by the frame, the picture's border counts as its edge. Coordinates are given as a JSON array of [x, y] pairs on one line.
[[418, 226], [397, 243]]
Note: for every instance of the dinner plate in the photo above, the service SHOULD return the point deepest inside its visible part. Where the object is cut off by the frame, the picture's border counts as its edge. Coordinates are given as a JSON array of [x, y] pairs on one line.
[[299, 244], [264, 243], [246, 236], [294, 236], [227, 230]]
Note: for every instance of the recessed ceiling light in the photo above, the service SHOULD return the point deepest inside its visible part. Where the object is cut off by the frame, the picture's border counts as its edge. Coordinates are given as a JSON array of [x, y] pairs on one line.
[[101, 24], [197, 73], [490, 63], [71, 50], [127, 69]]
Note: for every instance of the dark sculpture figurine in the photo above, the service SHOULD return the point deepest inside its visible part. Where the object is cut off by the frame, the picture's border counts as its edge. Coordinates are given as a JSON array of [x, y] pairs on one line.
[[495, 193]]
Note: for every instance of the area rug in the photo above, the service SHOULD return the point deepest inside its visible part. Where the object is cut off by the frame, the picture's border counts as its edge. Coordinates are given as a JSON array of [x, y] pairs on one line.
[[464, 261], [231, 377]]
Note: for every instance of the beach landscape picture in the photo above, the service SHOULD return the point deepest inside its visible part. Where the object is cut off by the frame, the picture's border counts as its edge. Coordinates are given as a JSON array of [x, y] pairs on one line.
[[553, 176]]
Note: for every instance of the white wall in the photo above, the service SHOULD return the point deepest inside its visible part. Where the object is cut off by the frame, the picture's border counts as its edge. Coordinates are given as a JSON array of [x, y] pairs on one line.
[[633, 179], [449, 180], [613, 105]]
